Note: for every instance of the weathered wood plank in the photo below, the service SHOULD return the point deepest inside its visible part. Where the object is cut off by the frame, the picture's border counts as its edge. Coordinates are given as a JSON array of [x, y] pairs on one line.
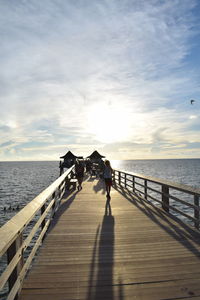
[[136, 251]]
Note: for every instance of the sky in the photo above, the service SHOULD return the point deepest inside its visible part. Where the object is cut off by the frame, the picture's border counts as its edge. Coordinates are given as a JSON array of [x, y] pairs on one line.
[[115, 76]]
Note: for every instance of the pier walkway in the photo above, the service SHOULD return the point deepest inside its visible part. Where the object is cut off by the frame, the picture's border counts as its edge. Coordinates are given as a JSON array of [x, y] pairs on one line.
[[130, 250]]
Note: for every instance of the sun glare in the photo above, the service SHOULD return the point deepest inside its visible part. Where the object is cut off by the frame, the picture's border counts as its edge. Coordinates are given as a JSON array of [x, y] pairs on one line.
[[109, 123]]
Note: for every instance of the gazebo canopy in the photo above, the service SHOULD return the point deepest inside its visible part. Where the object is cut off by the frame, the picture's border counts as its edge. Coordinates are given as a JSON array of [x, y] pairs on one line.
[[70, 155], [95, 155]]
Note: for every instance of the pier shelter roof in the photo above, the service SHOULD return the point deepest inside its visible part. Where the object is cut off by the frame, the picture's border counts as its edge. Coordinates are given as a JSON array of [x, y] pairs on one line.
[[70, 155], [95, 155]]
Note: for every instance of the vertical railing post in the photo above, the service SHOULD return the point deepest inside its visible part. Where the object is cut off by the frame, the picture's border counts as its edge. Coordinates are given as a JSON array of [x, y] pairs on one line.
[[10, 254], [145, 189], [165, 198], [42, 210], [133, 183], [113, 178], [61, 168], [125, 180], [119, 177], [196, 211], [67, 183], [53, 210]]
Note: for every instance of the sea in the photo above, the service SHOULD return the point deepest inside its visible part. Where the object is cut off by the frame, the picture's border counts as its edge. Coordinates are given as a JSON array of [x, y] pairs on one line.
[[21, 182]]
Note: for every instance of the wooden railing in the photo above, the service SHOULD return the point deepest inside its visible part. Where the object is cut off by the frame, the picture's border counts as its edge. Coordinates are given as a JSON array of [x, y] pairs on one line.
[[23, 234], [178, 199]]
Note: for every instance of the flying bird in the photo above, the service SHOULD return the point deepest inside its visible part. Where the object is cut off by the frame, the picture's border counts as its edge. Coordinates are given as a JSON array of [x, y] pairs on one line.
[[192, 101]]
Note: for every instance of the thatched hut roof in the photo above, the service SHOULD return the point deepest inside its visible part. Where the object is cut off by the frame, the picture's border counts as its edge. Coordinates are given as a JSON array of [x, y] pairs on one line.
[[70, 155], [95, 155]]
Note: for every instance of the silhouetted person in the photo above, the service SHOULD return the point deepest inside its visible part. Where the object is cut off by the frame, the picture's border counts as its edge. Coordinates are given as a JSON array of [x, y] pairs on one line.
[[79, 171], [107, 174]]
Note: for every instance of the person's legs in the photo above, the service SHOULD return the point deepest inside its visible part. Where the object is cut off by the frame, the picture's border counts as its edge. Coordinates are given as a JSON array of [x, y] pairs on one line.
[[106, 186], [108, 183], [79, 183], [81, 180], [109, 188]]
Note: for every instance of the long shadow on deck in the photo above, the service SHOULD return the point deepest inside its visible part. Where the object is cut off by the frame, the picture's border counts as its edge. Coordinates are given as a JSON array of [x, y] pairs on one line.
[[181, 232], [101, 271]]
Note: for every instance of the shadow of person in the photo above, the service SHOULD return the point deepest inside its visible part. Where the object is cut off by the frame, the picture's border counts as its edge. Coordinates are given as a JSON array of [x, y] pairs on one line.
[[102, 285], [108, 211], [99, 186]]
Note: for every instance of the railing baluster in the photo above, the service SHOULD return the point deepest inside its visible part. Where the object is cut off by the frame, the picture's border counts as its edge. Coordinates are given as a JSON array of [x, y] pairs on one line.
[[10, 254], [42, 211], [133, 182], [145, 189], [165, 198], [54, 205], [196, 211], [114, 178], [119, 178]]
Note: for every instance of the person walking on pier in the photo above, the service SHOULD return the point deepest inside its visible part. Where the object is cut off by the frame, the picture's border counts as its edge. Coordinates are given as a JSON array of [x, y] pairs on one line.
[[107, 174], [79, 171]]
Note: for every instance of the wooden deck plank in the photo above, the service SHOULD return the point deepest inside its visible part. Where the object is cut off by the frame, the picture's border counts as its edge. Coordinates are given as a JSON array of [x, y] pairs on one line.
[[135, 252]]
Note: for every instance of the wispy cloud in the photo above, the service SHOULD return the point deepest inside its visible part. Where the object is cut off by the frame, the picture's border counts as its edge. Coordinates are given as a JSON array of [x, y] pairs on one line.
[[60, 58]]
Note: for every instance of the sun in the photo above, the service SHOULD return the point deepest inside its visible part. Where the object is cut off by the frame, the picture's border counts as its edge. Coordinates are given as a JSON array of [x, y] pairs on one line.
[[108, 123]]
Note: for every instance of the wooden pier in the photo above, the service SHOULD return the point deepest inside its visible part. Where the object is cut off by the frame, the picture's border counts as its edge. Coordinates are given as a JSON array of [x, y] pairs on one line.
[[87, 248], [128, 250]]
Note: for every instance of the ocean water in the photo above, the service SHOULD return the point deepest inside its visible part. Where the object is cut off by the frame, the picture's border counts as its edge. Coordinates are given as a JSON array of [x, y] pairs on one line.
[[20, 182], [183, 171]]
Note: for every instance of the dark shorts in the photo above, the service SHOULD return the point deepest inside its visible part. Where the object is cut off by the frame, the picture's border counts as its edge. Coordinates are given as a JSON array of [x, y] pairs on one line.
[[79, 175], [108, 181]]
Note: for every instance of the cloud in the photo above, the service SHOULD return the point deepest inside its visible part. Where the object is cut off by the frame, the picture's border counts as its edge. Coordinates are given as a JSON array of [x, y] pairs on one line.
[[6, 144], [59, 58]]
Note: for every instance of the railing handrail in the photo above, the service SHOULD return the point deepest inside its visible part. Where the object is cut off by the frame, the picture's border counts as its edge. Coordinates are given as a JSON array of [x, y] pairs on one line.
[[178, 186], [10, 230]]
